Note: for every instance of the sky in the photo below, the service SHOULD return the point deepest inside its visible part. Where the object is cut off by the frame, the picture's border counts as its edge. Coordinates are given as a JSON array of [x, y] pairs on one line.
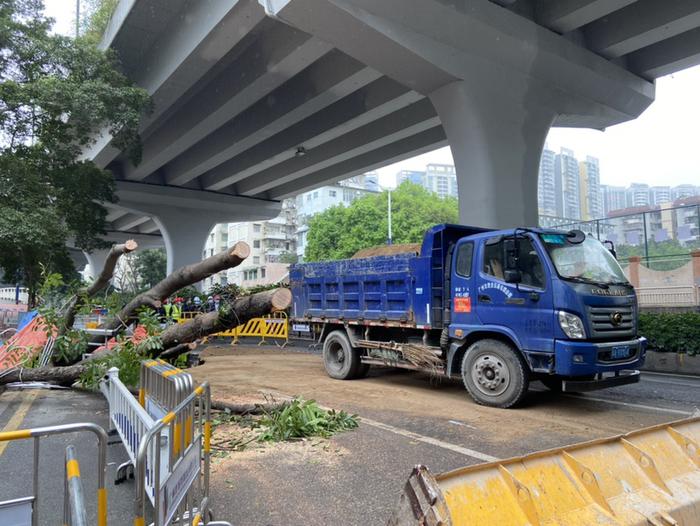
[[661, 147]]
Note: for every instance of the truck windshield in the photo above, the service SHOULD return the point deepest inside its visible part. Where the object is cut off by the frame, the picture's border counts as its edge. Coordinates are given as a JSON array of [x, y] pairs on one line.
[[586, 261]]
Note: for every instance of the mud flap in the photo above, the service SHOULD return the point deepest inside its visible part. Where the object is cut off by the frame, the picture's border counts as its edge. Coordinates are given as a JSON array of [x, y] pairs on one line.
[[646, 477]]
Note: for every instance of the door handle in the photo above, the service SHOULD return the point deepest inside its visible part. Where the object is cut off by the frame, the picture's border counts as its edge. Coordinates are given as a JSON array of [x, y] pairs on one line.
[[484, 298]]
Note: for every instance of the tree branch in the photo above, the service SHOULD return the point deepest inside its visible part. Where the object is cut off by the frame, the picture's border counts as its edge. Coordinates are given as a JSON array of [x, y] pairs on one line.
[[100, 283]]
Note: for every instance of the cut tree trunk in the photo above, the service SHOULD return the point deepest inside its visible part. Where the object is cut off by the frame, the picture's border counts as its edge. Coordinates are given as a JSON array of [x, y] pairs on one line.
[[56, 375], [100, 283], [231, 315], [179, 279]]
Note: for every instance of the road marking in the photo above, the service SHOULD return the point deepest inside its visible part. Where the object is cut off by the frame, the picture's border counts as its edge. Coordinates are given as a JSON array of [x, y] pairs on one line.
[[406, 433], [458, 423], [16, 420], [429, 440], [628, 404]]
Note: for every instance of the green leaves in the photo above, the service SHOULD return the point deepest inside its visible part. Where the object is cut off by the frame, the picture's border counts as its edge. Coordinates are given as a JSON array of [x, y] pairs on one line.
[[339, 232], [56, 94], [672, 331], [303, 418]]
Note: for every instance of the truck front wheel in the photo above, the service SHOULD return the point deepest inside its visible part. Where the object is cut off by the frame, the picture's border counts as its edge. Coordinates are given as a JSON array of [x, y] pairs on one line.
[[494, 374], [341, 360]]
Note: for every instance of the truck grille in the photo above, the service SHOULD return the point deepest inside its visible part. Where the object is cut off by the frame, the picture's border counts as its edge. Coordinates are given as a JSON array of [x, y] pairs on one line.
[[612, 322]]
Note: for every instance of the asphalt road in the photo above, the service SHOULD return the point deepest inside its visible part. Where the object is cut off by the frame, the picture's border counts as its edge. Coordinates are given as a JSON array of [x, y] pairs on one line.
[[356, 477]]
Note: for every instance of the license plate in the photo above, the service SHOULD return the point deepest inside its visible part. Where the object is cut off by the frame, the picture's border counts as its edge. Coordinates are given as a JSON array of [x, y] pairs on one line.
[[622, 351]]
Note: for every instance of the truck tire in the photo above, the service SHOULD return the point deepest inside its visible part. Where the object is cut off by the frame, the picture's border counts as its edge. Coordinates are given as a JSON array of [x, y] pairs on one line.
[[341, 360], [494, 374]]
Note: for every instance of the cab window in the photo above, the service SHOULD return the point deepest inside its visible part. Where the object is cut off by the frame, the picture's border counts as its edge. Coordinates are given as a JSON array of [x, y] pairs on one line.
[[529, 262], [465, 252]]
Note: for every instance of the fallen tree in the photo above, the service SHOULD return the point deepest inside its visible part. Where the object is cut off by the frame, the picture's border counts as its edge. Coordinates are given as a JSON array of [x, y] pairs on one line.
[[179, 279], [105, 276]]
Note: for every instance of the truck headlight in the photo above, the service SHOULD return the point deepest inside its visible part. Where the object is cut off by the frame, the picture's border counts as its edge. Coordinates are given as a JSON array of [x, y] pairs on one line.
[[571, 325]]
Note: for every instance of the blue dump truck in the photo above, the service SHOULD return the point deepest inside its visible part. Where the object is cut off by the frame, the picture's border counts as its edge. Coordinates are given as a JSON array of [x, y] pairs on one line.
[[497, 309]]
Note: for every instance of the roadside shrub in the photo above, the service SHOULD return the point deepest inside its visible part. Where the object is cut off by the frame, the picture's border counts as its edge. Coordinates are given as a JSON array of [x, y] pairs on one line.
[[671, 331], [303, 418]]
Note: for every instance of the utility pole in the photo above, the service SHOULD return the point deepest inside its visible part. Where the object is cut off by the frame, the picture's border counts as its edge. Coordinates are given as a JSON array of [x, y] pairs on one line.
[[389, 240], [77, 18]]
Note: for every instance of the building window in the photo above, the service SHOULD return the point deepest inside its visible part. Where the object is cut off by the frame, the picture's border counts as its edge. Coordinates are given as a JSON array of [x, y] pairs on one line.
[[256, 227], [256, 243], [315, 195], [262, 272], [256, 260], [332, 193]]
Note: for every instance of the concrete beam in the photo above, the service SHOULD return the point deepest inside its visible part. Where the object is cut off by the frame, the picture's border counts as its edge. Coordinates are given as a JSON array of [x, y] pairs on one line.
[[563, 16], [668, 56], [182, 54], [265, 63], [474, 40], [417, 144], [150, 200], [641, 24], [376, 100], [406, 122], [129, 221], [144, 240], [114, 213], [330, 78], [149, 227]]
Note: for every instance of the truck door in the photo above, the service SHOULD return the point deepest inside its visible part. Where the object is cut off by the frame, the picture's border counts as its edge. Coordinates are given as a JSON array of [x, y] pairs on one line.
[[525, 308], [463, 294]]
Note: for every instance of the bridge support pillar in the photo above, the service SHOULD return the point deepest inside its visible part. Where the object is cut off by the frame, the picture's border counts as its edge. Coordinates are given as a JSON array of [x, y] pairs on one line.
[[496, 139], [184, 234], [96, 262]]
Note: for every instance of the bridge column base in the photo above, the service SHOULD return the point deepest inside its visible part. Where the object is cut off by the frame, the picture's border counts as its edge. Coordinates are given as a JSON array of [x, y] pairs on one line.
[[496, 140]]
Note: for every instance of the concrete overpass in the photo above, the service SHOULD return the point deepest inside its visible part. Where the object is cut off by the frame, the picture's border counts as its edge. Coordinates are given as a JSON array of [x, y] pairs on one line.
[[257, 100]]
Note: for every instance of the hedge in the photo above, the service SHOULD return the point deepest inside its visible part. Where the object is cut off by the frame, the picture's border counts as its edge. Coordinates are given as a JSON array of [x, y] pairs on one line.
[[671, 332]]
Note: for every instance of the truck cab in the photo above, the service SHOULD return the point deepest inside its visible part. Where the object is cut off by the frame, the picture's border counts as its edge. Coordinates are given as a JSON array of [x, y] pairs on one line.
[[558, 301], [497, 309]]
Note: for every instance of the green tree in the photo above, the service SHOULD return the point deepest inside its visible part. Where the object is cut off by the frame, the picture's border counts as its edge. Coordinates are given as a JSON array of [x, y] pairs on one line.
[[55, 93], [150, 266], [339, 232]]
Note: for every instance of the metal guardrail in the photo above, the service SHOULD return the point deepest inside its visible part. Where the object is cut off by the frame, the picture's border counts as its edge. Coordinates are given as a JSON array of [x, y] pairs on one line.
[[274, 326], [24, 511], [74, 512], [679, 296]]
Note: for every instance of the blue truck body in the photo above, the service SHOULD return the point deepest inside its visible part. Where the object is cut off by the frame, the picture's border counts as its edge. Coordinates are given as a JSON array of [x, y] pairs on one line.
[[425, 297]]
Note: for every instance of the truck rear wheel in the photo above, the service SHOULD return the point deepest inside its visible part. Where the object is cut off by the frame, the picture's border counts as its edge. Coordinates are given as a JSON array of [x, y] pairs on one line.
[[494, 374], [341, 360]]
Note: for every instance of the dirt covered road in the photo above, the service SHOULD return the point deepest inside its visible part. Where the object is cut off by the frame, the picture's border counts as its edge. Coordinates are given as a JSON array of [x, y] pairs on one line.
[[407, 418]]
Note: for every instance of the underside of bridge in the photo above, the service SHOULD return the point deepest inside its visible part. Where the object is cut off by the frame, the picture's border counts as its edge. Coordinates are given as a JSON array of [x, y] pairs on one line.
[[255, 101]]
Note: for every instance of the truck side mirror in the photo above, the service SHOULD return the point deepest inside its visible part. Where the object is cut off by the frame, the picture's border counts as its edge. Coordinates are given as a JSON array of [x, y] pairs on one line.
[[611, 247], [511, 255]]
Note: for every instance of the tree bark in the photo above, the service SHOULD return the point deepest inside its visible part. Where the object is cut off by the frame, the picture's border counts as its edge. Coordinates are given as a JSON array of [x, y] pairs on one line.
[[56, 375], [100, 283], [236, 313], [181, 278]]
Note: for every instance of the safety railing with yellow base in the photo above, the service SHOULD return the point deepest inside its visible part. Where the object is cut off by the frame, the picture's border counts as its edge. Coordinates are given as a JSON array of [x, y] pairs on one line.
[[648, 477], [274, 326], [24, 511]]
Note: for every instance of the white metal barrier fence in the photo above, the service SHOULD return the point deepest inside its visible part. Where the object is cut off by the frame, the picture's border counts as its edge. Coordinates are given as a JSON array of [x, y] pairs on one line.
[[680, 296], [170, 452]]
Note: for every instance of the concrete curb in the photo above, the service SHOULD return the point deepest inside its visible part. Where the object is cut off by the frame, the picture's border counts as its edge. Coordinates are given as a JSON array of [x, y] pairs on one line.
[[671, 362]]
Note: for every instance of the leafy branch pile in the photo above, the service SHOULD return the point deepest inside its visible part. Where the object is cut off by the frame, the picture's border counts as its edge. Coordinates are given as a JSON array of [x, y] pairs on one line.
[[671, 331], [303, 418]]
